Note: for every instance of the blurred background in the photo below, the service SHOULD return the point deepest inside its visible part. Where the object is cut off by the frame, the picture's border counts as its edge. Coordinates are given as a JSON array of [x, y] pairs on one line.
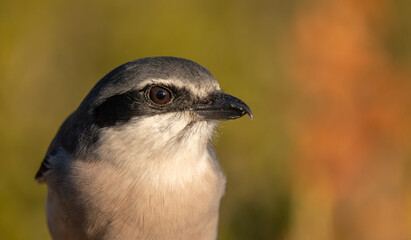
[[328, 154]]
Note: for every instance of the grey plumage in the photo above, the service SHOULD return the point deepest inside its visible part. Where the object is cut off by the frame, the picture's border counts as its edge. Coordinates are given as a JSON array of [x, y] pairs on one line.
[[135, 161]]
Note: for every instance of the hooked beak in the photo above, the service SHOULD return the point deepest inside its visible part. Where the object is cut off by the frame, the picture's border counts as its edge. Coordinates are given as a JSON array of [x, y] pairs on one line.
[[223, 107]]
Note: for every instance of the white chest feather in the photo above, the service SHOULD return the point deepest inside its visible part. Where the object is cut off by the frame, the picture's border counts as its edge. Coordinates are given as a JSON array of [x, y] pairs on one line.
[[156, 184]]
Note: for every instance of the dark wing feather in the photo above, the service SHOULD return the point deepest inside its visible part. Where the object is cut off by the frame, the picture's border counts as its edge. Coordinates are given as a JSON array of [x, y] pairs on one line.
[[61, 148], [44, 167]]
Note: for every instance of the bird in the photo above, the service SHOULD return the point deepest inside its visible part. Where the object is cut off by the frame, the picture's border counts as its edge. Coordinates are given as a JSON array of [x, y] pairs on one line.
[[136, 159]]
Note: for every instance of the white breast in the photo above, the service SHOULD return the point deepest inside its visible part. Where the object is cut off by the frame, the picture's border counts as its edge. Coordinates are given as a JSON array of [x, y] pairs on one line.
[[152, 181]]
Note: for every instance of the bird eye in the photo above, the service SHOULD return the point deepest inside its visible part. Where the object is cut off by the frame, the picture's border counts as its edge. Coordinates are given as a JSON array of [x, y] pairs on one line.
[[160, 95]]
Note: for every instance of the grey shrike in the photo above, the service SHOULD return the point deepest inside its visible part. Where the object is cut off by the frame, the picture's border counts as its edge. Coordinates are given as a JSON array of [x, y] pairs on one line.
[[135, 160]]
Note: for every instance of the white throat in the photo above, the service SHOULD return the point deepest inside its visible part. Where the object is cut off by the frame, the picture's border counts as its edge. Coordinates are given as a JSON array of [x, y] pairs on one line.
[[166, 148]]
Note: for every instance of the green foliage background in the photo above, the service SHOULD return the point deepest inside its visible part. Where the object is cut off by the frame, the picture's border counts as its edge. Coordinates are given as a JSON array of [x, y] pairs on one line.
[[53, 52]]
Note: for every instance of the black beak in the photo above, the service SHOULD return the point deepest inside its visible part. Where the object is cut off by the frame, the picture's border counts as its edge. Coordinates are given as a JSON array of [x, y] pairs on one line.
[[223, 106]]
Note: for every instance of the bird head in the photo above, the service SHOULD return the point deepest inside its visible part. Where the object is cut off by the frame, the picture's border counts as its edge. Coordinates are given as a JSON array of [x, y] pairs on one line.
[[154, 106]]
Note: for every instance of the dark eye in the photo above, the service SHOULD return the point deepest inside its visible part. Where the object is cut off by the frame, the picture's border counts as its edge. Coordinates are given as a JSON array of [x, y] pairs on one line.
[[160, 95]]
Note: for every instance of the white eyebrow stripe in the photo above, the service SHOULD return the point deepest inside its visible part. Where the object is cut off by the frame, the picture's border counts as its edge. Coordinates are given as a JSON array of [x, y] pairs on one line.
[[197, 90]]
